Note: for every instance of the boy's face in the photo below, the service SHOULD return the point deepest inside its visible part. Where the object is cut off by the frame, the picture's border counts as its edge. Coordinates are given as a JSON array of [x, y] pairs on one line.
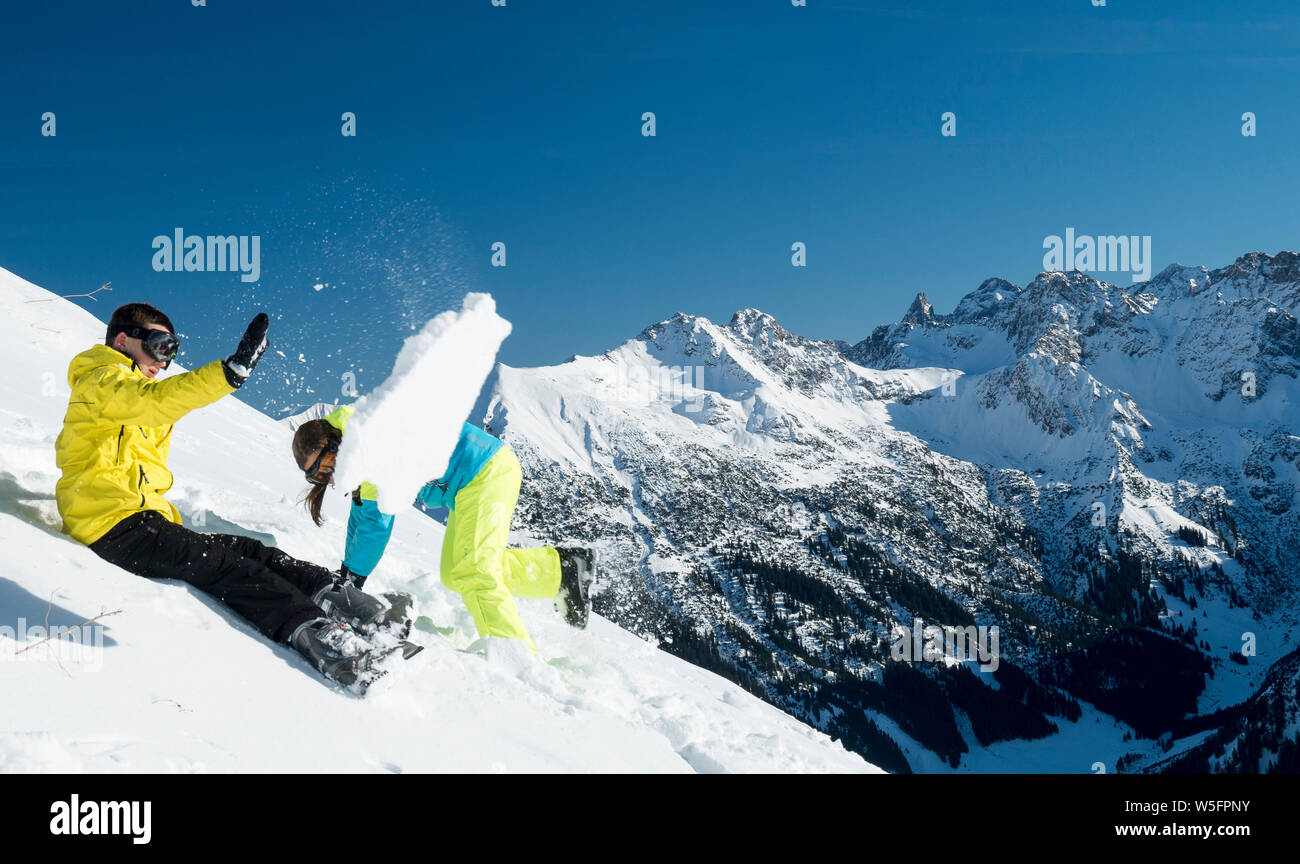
[[134, 348]]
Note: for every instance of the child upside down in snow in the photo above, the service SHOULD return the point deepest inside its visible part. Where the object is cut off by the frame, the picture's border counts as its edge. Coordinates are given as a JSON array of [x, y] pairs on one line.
[[481, 488]]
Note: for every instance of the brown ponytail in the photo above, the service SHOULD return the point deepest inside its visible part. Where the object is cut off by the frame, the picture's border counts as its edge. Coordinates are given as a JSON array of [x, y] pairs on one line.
[[310, 437]]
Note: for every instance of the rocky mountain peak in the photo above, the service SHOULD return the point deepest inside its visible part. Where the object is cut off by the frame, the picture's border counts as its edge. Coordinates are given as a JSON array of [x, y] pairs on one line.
[[920, 312], [1255, 274], [751, 323]]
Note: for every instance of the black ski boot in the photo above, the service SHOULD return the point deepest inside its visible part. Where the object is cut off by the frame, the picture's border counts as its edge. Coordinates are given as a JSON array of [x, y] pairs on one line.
[[400, 605], [577, 573], [343, 601], [337, 651]]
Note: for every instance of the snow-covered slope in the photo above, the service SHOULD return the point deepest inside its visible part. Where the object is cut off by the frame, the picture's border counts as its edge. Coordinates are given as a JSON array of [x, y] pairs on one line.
[[1103, 474], [1260, 735], [182, 685]]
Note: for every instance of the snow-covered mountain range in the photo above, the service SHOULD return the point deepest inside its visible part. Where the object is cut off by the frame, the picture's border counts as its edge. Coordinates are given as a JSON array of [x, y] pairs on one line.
[[1107, 475]]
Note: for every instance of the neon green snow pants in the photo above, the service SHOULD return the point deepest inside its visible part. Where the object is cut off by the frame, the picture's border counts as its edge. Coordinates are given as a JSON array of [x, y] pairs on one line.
[[475, 561]]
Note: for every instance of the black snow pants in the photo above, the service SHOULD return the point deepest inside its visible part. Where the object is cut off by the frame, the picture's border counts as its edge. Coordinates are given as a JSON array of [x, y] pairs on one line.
[[269, 588]]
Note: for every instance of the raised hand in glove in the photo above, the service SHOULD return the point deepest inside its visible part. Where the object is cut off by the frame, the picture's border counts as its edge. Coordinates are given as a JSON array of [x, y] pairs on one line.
[[239, 366]]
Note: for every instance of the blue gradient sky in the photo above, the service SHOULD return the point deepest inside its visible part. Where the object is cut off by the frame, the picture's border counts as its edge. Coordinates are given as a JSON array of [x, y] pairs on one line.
[[522, 124]]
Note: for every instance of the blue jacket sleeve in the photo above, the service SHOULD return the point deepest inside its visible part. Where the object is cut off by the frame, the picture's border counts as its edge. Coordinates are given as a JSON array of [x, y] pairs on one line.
[[368, 533]]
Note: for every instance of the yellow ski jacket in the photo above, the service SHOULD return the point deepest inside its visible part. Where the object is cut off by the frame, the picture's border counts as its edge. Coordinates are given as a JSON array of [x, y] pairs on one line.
[[116, 436]]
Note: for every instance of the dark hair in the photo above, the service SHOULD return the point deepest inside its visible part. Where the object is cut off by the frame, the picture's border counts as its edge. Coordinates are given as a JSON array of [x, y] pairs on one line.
[[310, 437], [139, 314]]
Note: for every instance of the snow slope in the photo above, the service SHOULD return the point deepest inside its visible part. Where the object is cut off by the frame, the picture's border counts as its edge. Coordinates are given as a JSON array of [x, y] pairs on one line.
[[180, 684]]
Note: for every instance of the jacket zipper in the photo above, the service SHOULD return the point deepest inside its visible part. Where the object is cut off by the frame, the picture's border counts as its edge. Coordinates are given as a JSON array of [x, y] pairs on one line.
[[144, 478]]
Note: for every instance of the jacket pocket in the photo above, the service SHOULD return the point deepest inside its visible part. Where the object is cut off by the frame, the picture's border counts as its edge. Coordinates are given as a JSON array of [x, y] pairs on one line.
[[139, 487]]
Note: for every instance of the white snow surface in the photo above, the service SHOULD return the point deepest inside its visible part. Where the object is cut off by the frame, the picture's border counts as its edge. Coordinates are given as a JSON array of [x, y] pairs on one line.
[[182, 684], [402, 434]]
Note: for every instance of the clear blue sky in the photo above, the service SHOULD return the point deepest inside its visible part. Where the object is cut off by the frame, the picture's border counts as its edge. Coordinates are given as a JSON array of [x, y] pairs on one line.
[[522, 124]]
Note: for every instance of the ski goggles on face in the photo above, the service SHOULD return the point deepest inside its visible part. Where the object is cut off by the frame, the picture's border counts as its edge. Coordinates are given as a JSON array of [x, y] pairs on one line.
[[158, 344], [319, 472]]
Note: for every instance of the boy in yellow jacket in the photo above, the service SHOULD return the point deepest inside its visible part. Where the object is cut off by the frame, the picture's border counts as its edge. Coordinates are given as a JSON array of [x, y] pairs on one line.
[[113, 454]]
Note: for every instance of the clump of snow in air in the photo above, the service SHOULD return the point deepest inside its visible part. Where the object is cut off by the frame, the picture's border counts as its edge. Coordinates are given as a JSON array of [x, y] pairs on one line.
[[403, 433], [170, 687]]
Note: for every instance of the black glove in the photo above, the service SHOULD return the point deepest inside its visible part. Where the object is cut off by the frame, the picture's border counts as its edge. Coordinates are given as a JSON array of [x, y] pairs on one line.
[[346, 575], [239, 366]]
